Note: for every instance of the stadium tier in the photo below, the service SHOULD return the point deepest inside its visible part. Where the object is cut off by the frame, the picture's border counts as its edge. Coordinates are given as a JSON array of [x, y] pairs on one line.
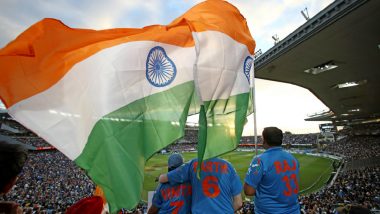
[[50, 182]]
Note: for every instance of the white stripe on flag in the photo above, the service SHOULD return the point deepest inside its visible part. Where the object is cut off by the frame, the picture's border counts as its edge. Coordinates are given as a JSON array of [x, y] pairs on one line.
[[217, 66], [108, 80]]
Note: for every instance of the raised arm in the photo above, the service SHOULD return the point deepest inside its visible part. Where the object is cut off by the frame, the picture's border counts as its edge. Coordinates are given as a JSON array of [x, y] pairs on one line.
[[163, 178]]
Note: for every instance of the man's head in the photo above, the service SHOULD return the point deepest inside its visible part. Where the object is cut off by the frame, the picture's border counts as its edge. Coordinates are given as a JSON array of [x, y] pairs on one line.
[[174, 161], [12, 159], [272, 136]]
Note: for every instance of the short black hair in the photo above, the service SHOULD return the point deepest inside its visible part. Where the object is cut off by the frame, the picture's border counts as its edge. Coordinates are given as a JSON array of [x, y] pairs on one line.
[[273, 136], [12, 159]]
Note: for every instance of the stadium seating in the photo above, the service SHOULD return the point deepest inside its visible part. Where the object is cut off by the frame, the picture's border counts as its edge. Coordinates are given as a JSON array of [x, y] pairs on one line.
[[50, 182]]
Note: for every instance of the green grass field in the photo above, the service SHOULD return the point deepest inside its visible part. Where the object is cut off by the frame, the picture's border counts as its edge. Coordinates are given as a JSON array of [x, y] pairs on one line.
[[315, 171]]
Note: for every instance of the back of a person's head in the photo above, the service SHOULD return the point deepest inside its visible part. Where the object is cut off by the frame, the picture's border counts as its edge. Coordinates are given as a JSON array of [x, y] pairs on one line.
[[175, 160], [273, 136], [12, 159]]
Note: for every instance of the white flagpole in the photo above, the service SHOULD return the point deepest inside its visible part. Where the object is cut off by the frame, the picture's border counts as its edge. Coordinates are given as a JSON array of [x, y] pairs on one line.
[[253, 98]]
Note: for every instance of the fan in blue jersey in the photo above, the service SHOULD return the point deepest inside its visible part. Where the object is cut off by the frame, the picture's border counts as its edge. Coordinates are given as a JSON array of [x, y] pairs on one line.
[[172, 198], [273, 177], [217, 190]]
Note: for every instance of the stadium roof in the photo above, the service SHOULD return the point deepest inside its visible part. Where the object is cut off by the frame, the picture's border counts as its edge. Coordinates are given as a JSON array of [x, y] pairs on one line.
[[336, 55]]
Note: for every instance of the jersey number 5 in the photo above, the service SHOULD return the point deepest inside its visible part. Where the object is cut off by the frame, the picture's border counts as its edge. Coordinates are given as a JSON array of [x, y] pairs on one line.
[[210, 186], [289, 190]]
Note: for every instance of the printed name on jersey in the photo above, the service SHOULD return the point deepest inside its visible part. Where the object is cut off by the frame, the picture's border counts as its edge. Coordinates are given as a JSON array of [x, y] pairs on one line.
[[176, 191], [283, 166], [212, 166]]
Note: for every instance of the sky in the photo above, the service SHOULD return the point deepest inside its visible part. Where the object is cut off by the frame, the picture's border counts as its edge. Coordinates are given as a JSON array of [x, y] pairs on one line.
[[277, 104]]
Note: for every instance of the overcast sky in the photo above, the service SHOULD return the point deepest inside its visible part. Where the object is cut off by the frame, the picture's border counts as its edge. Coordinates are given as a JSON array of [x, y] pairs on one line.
[[278, 104]]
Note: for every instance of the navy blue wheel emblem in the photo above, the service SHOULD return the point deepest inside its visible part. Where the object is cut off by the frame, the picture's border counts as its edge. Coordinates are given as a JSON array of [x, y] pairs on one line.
[[160, 69], [247, 66]]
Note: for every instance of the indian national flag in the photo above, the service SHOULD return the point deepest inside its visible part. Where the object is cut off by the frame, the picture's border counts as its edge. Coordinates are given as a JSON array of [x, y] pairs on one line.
[[110, 99], [223, 73]]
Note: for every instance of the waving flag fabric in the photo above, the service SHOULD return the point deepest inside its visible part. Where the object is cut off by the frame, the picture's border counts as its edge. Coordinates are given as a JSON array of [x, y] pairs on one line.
[[110, 99], [107, 99], [224, 64]]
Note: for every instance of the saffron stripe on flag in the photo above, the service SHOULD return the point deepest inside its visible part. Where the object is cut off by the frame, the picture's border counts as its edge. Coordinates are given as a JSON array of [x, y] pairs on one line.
[[84, 104], [93, 88], [104, 113], [46, 51]]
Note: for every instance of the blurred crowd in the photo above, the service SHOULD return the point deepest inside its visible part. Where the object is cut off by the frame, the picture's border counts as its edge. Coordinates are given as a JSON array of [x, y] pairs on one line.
[[15, 128], [49, 183], [182, 147], [33, 141], [356, 147], [358, 187], [355, 187], [292, 139]]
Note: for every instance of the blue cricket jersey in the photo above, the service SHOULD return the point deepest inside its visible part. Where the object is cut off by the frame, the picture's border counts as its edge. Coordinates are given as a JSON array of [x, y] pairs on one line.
[[275, 176], [173, 198], [214, 191]]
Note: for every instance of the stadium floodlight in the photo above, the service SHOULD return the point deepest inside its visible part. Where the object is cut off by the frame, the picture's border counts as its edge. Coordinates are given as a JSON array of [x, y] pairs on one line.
[[321, 68], [350, 84], [275, 38], [354, 110], [257, 53], [305, 14], [53, 111]]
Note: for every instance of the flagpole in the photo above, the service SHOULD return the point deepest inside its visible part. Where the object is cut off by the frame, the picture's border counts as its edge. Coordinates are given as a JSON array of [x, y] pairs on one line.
[[253, 98]]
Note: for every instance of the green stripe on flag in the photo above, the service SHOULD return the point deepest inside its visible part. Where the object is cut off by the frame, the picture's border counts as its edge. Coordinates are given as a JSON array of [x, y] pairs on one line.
[[122, 141], [221, 124]]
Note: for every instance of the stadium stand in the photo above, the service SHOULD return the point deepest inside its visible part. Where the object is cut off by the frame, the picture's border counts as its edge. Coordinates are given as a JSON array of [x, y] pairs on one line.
[[359, 182], [10, 127], [356, 147], [293, 139], [51, 182], [33, 141], [355, 187]]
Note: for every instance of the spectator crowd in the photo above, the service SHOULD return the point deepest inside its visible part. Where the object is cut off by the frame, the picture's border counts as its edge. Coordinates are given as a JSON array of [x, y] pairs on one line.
[[293, 139], [356, 147], [358, 187], [50, 182], [355, 187]]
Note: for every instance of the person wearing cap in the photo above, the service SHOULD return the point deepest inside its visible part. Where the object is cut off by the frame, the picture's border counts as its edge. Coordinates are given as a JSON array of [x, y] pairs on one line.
[[12, 159], [273, 177], [172, 198], [217, 188]]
